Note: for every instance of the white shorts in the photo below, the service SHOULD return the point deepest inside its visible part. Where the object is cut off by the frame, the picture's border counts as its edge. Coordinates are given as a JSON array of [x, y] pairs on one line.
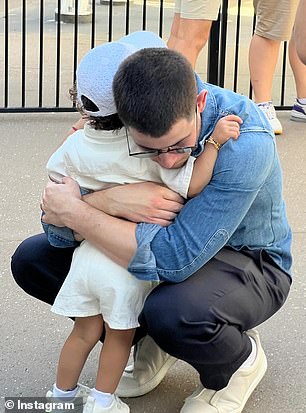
[[97, 285]]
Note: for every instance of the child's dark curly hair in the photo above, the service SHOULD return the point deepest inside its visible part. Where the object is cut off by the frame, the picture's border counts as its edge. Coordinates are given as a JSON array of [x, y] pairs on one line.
[[110, 122]]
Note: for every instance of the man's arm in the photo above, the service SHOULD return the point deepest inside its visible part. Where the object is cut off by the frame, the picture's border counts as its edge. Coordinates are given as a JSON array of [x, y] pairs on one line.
[[208, 221], [146, 202], [63, 206], [142, 202], [200, 230]]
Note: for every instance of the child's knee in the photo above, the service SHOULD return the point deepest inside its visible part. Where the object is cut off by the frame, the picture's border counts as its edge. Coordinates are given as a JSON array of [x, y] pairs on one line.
[[119, 335], [89, 329]]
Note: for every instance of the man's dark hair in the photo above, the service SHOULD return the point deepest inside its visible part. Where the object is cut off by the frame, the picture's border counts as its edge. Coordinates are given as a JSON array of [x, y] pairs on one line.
[[154, 88], [110, 122]]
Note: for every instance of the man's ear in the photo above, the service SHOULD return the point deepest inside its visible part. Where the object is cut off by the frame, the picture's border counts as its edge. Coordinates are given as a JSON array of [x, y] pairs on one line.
[[201, 100]]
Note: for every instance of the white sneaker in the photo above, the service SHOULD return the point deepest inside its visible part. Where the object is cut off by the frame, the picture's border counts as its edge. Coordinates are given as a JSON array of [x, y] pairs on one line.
[[150, 367], [298, 112], [268, 109], [117, 406], [78, 401], [234, 396]]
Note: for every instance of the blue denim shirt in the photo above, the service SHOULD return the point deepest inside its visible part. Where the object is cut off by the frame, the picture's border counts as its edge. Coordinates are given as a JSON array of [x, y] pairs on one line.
[[241, 207]]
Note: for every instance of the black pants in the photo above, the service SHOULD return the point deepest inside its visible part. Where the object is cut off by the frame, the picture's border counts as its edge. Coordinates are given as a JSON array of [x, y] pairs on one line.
[[202, 320]]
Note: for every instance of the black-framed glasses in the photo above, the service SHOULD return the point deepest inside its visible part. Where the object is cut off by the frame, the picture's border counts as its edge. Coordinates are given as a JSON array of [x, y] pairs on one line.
[[150, 153]]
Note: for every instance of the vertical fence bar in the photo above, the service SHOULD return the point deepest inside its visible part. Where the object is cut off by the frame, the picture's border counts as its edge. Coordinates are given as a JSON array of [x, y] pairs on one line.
[[75, 41], [161, 18], [58, 53], [250, 84], [283, 86], [213, 53], [216, 53], [6, 53], [23, 54], [236, 58], [93, 24], [110, 21], [41, 53], [127, 17], [144, 15], [223, 36]]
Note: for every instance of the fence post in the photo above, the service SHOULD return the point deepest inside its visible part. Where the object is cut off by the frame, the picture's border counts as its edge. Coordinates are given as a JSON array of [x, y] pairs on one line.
[[213, 53], [217, 47], [68, 12]]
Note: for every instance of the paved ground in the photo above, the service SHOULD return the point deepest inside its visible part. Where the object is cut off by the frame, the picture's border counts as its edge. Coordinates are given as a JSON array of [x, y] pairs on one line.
[[31, 335]]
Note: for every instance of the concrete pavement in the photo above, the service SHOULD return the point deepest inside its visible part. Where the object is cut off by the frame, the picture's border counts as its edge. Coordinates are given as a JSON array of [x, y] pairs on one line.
[[32, 336]]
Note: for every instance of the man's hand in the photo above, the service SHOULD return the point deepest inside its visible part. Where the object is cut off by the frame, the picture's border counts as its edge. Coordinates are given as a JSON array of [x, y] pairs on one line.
[[226, 128], [142, 202], [58, 199]]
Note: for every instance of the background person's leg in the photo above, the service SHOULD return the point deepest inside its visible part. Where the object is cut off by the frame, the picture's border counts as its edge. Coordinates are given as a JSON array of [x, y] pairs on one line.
[[299, 71], [189, 36], [204, 319], [263, 56], [274, 22], [300, 31], [191, 26]]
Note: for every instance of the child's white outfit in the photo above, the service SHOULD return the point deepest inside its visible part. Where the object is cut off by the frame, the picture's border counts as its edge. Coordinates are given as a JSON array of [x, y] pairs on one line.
[[98, 159]]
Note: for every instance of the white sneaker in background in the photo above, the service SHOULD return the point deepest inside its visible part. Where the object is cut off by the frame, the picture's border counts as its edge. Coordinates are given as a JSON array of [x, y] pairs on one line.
[[269, 110], [298, 112]]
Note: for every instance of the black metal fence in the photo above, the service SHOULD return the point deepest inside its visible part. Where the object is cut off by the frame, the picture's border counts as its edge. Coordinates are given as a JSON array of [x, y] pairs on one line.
[[40, 53]]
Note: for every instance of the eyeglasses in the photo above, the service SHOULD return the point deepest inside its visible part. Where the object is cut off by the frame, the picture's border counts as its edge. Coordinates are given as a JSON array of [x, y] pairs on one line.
[[150, 153]]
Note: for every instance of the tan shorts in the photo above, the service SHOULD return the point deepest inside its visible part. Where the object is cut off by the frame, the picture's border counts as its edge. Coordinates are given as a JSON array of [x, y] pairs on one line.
[[275, 18], [197, 9]]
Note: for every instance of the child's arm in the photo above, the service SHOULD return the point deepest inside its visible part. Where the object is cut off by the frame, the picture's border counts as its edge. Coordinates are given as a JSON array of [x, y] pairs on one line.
[[79, 124], [226, 128]]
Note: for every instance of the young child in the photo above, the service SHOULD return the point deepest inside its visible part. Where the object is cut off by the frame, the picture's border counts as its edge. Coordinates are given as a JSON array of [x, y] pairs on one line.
[[101, 295]]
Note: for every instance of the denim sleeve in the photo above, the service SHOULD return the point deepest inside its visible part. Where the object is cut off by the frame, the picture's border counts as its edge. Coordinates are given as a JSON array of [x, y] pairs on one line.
[[207, 221]]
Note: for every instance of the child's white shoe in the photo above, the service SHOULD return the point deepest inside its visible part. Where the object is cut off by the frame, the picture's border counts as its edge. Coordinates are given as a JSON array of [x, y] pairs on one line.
[[117, 406], [78, 401]]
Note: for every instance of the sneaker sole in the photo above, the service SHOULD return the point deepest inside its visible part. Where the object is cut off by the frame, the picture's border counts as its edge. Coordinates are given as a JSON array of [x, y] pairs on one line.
[[151, 384], [297, 118], [278, 132]]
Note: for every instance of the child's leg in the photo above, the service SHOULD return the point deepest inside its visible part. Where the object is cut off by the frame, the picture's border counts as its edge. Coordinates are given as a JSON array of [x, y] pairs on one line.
[[85, 334], [113, 358]]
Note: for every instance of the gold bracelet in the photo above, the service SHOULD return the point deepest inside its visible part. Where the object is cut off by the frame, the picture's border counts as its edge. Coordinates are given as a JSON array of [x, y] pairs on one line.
[[217, 145]]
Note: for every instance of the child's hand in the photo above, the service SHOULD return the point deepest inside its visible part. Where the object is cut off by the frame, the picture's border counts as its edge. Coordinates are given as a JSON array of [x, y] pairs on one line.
[[226, 128], [78, 237]]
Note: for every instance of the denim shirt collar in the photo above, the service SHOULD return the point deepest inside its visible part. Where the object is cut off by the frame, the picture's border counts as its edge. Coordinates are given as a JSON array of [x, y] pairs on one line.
[[209, 117]]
